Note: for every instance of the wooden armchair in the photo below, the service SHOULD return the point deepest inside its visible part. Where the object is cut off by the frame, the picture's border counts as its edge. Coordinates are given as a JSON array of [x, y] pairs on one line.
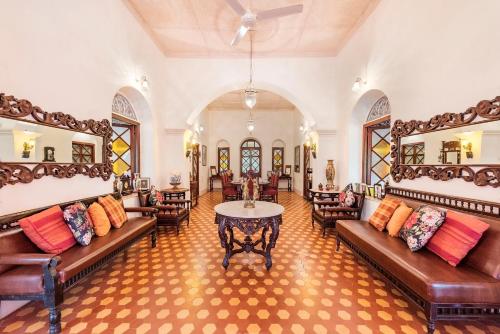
[[170, 212], [270, 191], [229, 190], [327, 212]]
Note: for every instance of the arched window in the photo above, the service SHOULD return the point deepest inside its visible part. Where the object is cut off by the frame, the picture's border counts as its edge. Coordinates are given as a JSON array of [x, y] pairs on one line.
[[251, 157], [125, 138], [376, 142], [278, 156]]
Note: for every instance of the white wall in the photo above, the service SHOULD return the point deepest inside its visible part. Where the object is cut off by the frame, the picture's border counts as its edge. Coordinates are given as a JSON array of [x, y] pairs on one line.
[[73, 57], [270, 125], [429, 57]]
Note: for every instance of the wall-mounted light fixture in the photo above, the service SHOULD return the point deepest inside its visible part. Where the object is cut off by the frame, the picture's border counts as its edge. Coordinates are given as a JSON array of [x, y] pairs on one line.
[[143, 82], [358, 84]]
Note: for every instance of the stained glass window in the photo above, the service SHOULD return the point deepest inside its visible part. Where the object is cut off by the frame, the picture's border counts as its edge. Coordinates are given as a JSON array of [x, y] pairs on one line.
[[122, 106], [278, 155], [250, 157], [379, 109], [413, 154], [124, 145], [83, 153], [223, 158]]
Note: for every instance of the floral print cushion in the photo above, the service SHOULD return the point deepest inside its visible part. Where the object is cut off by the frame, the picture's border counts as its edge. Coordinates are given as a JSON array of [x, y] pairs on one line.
[[421, 226], [79, 222]]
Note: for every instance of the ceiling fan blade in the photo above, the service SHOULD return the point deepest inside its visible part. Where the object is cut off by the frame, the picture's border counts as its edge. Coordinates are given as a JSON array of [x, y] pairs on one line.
[[236, 6], [279, 12], [239, 35]]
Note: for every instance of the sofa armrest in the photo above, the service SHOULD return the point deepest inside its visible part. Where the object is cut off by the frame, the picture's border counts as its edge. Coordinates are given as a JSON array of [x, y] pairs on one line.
[[28, 259], [141, 209]]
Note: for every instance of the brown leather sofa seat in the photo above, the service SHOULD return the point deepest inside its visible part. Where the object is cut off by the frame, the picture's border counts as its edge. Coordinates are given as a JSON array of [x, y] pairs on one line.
[[78, 258], [22, 280], [423, 271]]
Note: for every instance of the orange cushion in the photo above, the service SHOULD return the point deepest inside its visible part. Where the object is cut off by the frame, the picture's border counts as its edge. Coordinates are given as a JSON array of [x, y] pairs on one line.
[[384, 212], [48, 231], [100, 221], [398, 219], [456, 237], [114, 210]]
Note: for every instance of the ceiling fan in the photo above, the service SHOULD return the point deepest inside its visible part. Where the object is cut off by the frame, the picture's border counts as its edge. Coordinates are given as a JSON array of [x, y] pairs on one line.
[[249, 19]]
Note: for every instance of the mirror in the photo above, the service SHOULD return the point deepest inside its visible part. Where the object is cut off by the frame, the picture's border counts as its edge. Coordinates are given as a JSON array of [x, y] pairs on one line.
[[25, 142], [476, 144], [35, 143], [448, 146]]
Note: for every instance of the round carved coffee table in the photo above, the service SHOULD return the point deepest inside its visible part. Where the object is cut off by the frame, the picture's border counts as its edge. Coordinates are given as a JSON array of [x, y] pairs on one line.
[[265, 216]]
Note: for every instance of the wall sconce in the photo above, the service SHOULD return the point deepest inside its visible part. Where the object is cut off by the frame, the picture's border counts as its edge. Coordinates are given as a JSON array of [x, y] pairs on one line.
[[314, 150], [143, 82], [358, 84], [27, 147], [468, 149]]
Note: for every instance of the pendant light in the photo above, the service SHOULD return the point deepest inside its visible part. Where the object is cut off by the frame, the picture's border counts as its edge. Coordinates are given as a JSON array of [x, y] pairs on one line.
[[250, 92]]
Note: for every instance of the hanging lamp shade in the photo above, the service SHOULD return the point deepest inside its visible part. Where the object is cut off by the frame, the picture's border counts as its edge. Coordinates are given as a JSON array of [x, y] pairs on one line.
[[250, 125], [250, 98]]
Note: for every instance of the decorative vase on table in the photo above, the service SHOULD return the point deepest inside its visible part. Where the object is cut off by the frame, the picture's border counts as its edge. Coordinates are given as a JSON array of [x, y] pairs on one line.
[[330, 173], [175, 180]]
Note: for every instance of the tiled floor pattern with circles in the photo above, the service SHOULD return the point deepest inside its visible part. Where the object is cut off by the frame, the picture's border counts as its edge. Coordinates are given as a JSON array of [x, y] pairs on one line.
[[181, 287]]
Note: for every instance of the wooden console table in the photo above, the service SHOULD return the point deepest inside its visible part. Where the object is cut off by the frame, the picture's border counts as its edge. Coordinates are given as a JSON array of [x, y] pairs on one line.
[[266, 216], [172, 193]]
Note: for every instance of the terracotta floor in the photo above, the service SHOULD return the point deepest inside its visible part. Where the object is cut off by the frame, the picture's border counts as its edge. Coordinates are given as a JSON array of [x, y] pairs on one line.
[[181, 287]]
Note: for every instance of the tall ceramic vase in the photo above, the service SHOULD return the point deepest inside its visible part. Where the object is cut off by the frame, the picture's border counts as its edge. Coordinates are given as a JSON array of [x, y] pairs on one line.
[[330, 173]]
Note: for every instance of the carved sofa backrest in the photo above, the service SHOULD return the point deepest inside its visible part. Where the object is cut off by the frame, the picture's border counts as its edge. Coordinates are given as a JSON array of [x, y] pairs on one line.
[[485, 257]]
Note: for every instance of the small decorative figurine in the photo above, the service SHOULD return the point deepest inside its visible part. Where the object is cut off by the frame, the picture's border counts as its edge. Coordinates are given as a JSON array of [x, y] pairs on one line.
[[320, 186], [250, 190]]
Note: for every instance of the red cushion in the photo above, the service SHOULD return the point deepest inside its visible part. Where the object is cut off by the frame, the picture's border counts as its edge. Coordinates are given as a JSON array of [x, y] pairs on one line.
[[269, 192], [230, 191], [48, 231], [456, 237]]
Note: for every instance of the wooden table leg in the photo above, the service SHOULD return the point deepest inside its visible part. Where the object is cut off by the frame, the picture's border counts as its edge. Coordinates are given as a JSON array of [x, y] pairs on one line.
[[275, 232]]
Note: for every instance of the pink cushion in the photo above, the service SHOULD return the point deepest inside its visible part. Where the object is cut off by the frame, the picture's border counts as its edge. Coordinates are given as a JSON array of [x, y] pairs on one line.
[[48, 231], [456, 237]]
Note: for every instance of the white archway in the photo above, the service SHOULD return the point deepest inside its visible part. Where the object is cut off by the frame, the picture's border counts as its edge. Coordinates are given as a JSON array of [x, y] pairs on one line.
[[215, 92]]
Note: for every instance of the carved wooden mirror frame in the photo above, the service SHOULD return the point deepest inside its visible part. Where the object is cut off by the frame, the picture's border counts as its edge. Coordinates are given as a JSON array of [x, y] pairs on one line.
[[483, 175], [14, 172]]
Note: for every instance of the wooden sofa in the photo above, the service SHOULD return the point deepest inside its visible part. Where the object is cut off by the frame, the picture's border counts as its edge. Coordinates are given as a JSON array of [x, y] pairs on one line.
[[26, 273], [469, 291]]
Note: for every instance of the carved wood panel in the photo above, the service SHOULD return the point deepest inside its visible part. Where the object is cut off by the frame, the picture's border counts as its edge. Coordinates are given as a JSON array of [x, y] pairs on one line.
[[20, 109], [484, 111]]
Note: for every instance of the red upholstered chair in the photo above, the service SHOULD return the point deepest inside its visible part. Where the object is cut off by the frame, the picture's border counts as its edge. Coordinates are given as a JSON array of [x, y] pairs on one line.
[[229, 190], [270, 191]]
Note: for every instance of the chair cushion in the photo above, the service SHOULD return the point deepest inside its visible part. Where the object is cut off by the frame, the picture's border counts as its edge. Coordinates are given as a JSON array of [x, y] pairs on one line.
[[114, 210], [100, 221], [398, 219], [48, 231], [424, 272], [22, 280], [229, 191], [79, 222], [384, 212], [456, 237], [78, 258], [421, 226]]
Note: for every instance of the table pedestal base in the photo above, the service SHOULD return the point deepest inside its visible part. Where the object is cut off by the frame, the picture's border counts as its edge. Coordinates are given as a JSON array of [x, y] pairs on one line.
[[249, 227]]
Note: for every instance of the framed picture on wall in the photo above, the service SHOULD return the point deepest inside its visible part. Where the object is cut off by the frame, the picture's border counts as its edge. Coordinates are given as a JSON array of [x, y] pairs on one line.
[[297, 159], [203, 155], [144, 183], [49, 154]]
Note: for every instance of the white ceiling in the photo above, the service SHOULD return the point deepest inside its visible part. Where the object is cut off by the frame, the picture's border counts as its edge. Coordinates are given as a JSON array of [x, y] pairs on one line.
[[205, 28], [265, 101]]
